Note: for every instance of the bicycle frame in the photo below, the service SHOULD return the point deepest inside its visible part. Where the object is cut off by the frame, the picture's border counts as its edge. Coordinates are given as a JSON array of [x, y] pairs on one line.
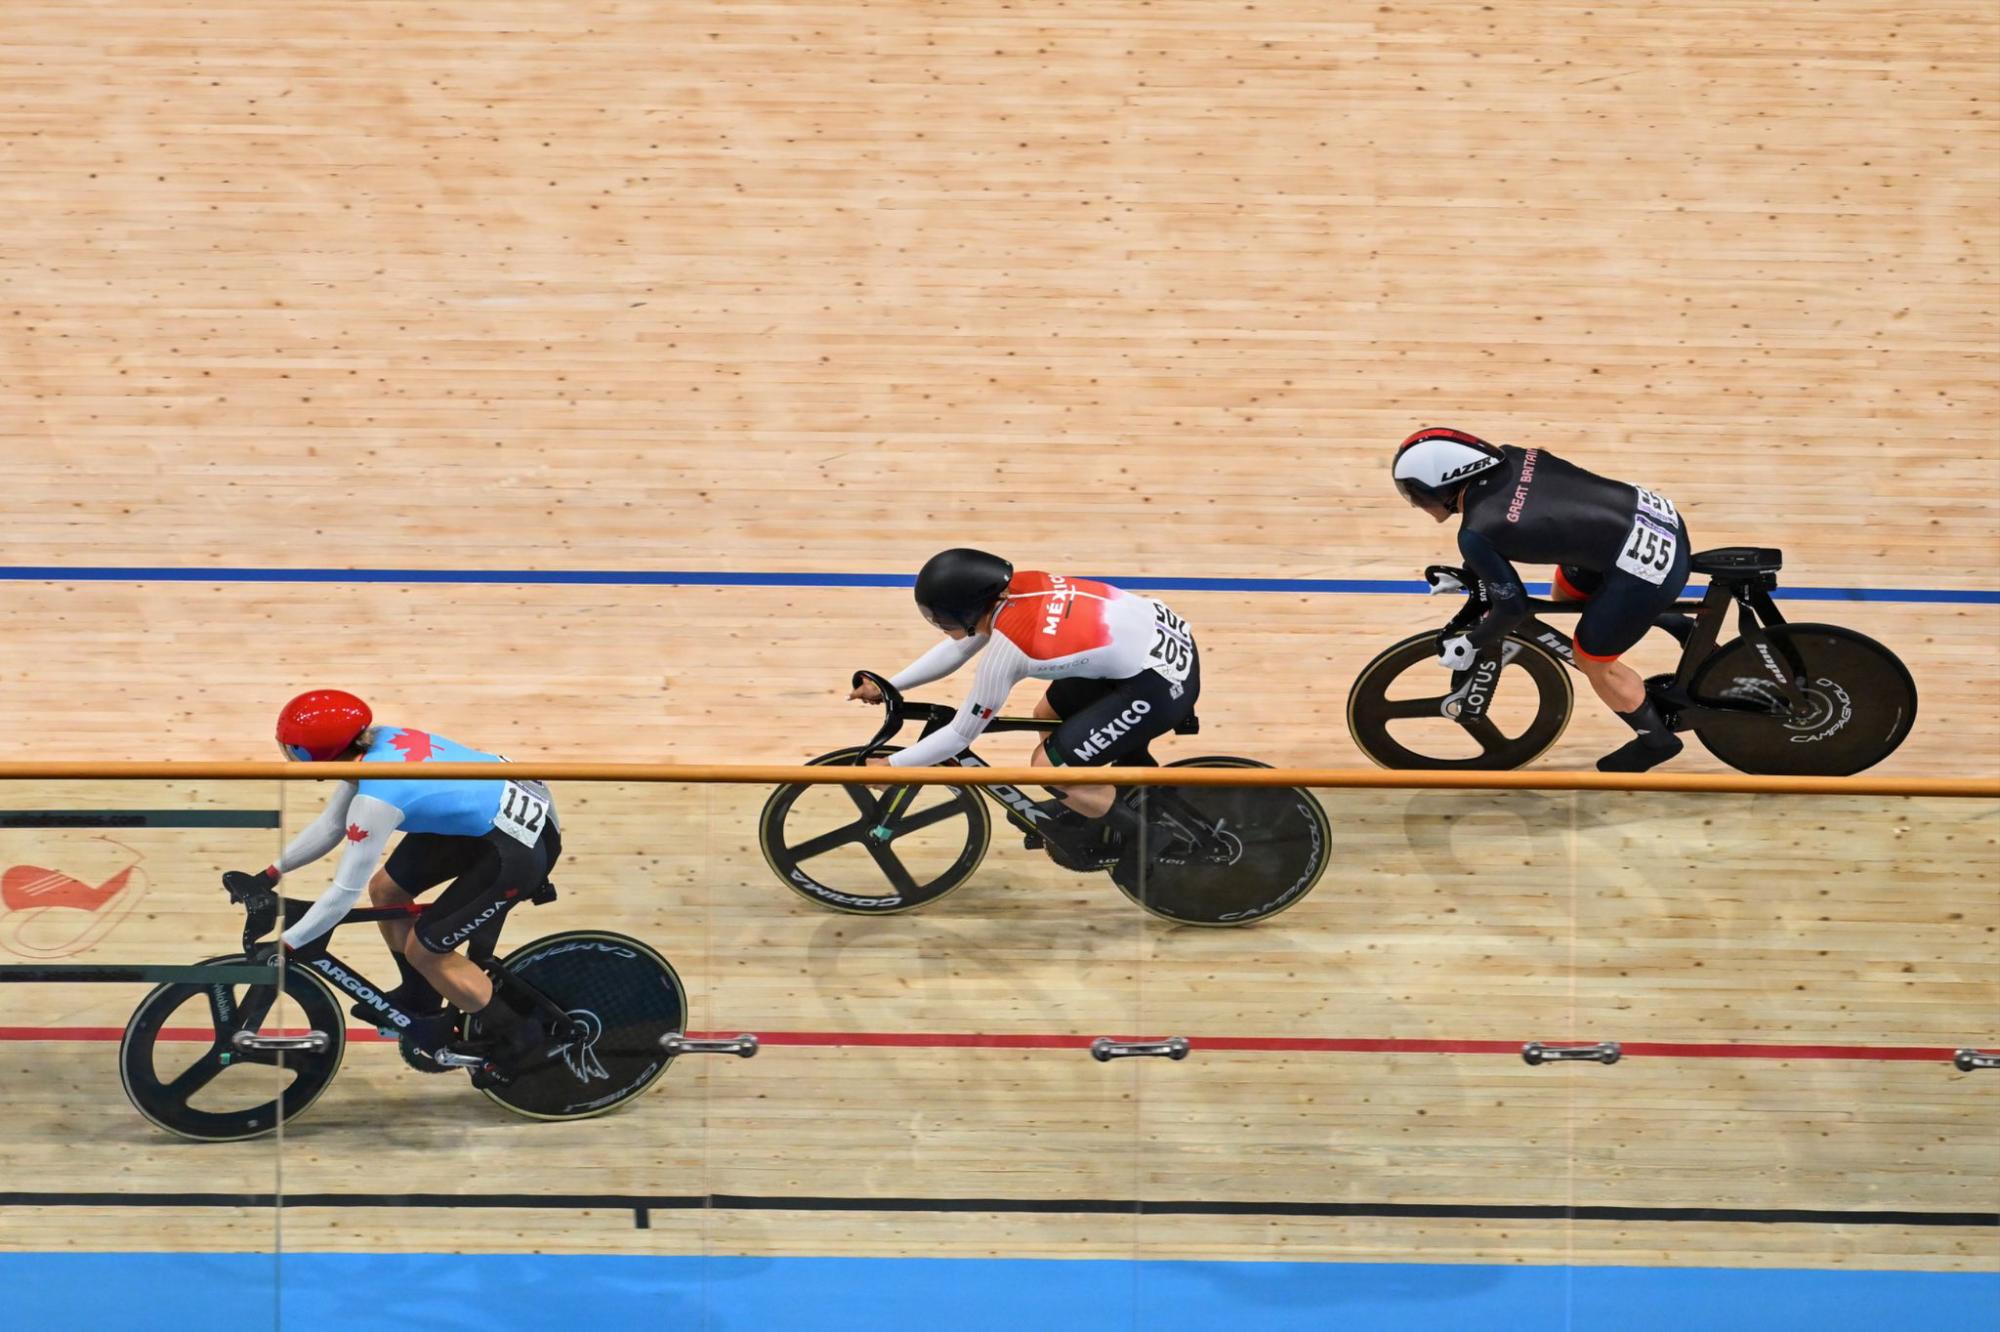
[[1021, 811], [263, 908], [1756, 611]]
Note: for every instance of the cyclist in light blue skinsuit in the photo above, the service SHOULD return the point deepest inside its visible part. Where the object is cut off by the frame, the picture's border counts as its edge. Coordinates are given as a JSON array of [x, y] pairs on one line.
[[495, 840]]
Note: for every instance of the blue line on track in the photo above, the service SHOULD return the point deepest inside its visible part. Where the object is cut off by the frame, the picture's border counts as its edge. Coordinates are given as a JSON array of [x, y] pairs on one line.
[[35, 573], [360, 1292]]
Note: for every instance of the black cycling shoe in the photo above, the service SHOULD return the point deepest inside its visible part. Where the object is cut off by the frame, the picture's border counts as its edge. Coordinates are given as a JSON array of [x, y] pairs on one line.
[[506, 1039], [425, 1036], [1641, 753], [1073, 841]]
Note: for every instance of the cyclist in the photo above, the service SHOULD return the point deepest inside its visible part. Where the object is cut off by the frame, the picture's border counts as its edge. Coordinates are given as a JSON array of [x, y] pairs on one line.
[[1620, 548], [495, 840], [1123, 668]]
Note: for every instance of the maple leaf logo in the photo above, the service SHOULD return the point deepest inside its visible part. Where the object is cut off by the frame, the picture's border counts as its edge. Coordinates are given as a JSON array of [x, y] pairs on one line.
[[415, 746], [356, 833]]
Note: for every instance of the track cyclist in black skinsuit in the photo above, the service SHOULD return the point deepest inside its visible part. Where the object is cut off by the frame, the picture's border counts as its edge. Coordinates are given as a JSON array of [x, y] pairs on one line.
[[1621, 548]]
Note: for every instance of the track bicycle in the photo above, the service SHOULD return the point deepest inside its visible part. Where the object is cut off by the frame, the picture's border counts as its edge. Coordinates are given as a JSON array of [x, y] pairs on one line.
[[1209, 855], [1778, 698], [197, 1059]]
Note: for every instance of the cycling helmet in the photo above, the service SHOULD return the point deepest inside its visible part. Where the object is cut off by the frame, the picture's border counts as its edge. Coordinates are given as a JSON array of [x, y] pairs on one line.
[[955, 587], [321, 724], [1434, 464]]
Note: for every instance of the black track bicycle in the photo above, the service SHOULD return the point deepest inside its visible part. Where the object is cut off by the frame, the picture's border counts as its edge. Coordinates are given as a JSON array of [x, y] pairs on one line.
[[204, 1061], [1777, 698], [1208, 855]]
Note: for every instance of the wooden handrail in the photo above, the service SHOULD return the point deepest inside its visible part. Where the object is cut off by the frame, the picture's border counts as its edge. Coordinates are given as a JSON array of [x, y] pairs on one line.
[[771, 774]]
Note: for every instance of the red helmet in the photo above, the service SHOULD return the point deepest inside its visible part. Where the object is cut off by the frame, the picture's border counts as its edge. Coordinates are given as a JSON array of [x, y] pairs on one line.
[[322, 724]]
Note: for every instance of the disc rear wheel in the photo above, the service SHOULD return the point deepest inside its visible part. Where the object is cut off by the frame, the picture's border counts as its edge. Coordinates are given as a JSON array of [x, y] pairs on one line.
[[1278, 836], [620, 998], [1860, 703]]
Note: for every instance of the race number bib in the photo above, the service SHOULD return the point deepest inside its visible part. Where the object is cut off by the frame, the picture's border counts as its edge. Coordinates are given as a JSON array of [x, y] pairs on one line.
[[524, 811], [1172, 653], [1649, 550]]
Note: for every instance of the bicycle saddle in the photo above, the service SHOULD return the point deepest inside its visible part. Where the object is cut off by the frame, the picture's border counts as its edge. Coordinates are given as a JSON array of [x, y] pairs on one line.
[[1737, 561]]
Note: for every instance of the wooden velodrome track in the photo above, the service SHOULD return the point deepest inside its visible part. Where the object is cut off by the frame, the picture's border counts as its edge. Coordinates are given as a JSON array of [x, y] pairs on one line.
[[1143, 290]]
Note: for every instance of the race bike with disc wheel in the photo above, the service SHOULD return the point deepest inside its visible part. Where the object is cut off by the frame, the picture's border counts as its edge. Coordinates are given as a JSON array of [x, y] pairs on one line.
[[198, 1060], [1778, 698], [1209, 855]]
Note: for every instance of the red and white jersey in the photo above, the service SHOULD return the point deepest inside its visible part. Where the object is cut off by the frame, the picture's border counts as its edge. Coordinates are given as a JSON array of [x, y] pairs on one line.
[[1048, 627]]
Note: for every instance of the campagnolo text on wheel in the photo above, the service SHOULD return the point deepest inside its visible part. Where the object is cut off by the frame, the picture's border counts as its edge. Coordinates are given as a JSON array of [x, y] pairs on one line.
[[1123, 670], [1762, 694]]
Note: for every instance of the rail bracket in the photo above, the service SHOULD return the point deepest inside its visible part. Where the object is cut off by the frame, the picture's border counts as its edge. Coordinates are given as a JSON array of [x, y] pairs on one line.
[[1602, 1052], [1104, 1049], [677, 1044]]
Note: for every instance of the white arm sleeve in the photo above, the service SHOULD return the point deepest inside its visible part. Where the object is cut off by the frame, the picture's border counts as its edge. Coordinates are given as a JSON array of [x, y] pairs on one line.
[[374, 820], [940, 661], [322, 834], [1003, 667]]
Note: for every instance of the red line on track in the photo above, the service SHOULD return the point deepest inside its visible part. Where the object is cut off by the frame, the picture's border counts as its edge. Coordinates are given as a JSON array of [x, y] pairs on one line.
[[924, 1040]]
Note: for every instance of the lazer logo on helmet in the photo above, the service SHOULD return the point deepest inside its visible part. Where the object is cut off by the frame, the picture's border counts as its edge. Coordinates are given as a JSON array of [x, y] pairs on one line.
[[1477, 465]]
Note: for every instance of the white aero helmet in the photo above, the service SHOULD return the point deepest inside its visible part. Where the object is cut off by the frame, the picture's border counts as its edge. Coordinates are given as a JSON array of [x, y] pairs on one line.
[[1433, 464]]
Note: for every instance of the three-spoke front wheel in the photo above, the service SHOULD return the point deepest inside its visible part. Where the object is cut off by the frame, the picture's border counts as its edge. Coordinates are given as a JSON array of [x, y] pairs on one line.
[[183, 1069], [1403, 709], [835, 846]]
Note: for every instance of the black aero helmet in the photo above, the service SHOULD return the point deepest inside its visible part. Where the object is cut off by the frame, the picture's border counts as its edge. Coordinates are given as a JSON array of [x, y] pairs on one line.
[[1435, 464], [955, 587]]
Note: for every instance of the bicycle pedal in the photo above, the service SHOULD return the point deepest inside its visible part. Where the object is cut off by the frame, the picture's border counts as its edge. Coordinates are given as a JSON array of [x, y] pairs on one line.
[[487, 1076], [1032, 842]]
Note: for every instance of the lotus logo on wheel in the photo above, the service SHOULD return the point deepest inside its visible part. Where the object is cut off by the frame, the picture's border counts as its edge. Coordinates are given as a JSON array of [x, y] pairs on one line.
[[581, 1054]]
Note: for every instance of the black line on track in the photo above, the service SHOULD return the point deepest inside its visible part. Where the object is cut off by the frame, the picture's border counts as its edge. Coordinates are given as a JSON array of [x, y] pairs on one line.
[[643, 1205], [138, 818]]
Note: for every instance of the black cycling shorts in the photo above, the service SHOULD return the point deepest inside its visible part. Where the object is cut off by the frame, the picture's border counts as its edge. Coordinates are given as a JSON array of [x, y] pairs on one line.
[[487, 873], [1116, 721], [1621, 606]]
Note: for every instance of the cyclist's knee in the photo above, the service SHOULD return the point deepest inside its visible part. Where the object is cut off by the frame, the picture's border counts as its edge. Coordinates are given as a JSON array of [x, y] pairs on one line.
[[384, 891], [1040, 757], [421, 952], [1594, 667]]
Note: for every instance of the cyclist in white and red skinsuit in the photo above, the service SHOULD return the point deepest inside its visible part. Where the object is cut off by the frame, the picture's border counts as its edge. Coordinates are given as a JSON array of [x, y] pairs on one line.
[[1123, 669]]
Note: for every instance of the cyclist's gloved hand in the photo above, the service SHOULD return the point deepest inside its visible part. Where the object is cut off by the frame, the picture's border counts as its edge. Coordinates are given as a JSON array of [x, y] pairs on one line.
[[1457, 653], [241, 884], [1443, 578]]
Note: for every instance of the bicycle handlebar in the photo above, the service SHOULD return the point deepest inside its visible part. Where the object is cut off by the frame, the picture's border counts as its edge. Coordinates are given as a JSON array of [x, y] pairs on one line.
[[260, 913], [1448, 578], [892, 721]]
